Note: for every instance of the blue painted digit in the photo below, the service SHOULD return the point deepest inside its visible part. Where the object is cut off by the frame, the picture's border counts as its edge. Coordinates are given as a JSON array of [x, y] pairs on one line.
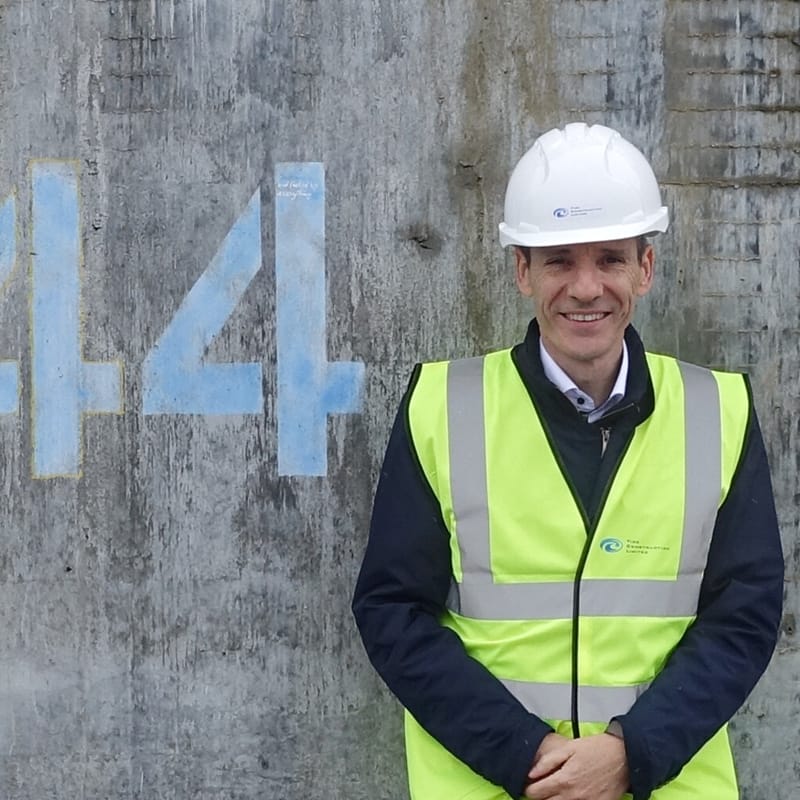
[[309, 387], [64, 387], [176, 378], [9, 378]]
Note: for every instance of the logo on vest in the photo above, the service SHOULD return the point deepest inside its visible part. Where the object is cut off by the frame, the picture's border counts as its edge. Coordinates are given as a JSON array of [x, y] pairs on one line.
[[612, 545]]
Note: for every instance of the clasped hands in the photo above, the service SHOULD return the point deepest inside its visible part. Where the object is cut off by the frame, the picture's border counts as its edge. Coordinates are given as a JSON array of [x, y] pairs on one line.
[[589, 768]]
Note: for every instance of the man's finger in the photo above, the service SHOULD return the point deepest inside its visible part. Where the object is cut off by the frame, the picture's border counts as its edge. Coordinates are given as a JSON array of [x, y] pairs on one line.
[[548, 764], [545, 789]]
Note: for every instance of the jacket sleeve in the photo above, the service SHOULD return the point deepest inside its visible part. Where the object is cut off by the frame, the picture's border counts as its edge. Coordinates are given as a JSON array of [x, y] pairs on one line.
[[401, 591], [727, 648]]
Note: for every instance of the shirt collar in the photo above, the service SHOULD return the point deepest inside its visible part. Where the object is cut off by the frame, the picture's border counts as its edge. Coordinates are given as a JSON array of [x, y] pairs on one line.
[[582, 401]]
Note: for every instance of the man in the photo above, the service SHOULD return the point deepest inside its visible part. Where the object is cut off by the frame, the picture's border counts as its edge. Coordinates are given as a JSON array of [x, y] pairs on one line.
[[574, 576]]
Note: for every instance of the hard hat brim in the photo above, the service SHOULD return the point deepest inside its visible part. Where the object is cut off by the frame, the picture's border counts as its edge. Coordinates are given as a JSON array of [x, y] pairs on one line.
[[656, 223]]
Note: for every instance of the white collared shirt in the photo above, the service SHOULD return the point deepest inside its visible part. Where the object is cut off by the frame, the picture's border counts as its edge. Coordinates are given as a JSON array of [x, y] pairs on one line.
[[582, 401]]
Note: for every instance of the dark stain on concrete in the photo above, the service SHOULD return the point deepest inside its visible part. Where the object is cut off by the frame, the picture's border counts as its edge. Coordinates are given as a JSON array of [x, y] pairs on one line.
[[508, 64], [428, 240], [392, 37]]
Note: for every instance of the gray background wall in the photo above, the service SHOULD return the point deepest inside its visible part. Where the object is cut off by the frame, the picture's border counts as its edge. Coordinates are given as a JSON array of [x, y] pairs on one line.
[[173, 603]]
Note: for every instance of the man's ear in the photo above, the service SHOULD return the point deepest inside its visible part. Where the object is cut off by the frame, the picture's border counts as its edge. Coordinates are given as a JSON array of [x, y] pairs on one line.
[[522, 265], [647, 266]]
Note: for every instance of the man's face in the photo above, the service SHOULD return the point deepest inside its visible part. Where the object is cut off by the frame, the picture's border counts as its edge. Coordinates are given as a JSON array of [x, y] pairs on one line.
[[584, 296]]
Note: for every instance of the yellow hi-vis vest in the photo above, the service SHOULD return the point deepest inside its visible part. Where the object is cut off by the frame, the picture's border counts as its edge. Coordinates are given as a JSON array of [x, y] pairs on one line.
[[575, 618]]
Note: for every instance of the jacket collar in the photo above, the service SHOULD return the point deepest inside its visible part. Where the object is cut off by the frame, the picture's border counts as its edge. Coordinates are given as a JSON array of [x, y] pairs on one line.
[[635, 406]]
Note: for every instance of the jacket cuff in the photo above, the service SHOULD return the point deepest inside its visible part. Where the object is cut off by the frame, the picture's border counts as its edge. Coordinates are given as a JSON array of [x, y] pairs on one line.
[[530, 741], [640, 773]]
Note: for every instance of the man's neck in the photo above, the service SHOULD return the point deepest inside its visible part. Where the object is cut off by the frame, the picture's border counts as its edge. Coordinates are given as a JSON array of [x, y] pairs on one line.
[[596, 383], [596, 377]]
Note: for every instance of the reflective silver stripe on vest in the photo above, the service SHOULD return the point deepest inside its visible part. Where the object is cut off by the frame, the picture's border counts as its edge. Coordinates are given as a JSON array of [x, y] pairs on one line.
[[703, 468], [465, 423], [605, 597], [477, 596], [554, 700]]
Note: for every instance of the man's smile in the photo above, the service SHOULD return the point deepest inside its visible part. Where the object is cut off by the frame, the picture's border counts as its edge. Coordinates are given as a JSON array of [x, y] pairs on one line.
[[592, 316]]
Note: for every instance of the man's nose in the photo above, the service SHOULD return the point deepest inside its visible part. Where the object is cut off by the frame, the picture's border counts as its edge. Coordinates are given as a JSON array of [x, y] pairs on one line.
[[587, 283]]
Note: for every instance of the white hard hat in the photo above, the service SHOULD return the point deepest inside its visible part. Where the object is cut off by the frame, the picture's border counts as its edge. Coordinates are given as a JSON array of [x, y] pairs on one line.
[[581, 184]]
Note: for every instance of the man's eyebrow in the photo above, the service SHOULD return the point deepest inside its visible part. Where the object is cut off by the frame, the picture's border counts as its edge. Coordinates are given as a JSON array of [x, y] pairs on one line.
[[614, 251], [558, 251], [554, 251]]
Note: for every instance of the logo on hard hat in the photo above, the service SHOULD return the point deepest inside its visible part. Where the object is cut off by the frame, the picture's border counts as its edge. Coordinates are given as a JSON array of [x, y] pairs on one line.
[[611, 545], [575, 211]]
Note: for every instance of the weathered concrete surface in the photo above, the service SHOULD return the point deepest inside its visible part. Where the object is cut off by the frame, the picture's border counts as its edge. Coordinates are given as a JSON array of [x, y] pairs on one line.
[[176, 614]]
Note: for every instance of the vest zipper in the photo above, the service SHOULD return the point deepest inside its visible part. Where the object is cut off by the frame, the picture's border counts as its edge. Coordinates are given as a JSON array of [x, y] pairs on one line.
[[605, 435]]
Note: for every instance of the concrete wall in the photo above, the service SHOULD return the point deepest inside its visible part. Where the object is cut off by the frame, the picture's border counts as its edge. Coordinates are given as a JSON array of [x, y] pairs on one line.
[[227, 231]]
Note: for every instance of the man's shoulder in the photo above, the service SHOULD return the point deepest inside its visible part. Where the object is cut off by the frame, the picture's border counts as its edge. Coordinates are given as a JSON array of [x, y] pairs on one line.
[[447, 362], [730, 388], [725, 375], [432, 382], [654, 355]]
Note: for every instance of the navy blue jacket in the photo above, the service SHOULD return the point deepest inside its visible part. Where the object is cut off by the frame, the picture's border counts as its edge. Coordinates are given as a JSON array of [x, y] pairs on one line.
[[406, 575]]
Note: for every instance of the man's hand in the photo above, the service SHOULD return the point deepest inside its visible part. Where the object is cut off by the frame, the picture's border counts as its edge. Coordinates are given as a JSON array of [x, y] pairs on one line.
[[590, 768], [550, 756]]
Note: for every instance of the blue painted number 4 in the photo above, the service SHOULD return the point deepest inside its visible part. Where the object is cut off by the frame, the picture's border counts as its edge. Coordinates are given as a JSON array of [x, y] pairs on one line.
[[177, 379]]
